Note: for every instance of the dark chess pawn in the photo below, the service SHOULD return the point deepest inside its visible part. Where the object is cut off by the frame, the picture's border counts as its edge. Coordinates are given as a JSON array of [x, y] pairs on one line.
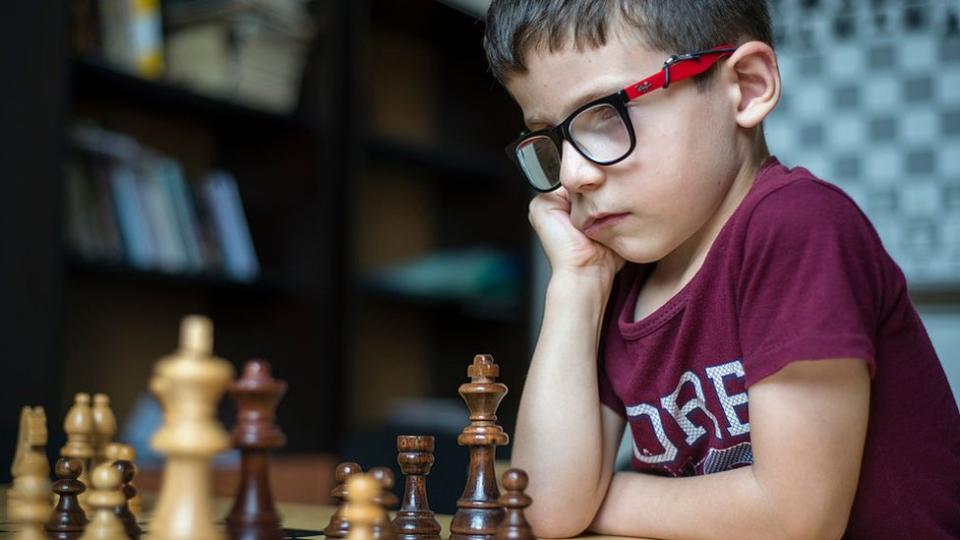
[[127, 471], [415, 520], [382, 529], [68, 519], [338, 526], [514, 525]]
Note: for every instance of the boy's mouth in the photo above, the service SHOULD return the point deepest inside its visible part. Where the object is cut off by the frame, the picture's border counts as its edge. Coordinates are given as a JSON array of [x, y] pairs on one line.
[[597, 222]]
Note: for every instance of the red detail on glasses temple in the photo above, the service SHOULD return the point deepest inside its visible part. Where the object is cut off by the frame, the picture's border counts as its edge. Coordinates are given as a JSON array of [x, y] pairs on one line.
[[677, 68]]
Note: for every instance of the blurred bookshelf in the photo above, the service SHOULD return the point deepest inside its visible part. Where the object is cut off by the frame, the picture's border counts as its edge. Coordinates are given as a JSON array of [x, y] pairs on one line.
[[339, 185]]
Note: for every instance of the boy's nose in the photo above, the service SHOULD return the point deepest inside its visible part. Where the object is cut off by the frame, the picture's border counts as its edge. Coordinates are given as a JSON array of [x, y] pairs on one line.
[[578, 173]]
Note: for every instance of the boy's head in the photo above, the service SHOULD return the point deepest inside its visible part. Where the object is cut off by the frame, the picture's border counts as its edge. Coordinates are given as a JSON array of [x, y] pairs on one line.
[[695, 143]]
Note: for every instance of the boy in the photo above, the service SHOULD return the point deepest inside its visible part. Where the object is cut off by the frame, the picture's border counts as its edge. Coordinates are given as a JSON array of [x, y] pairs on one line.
[[742, 317]]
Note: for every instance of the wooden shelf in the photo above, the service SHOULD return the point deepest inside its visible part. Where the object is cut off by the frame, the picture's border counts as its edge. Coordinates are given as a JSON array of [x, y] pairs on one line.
[[94, 78], [119, 272]]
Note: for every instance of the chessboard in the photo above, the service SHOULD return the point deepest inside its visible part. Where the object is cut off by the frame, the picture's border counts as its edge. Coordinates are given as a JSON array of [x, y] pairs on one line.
[[870, 103], [94, 494]]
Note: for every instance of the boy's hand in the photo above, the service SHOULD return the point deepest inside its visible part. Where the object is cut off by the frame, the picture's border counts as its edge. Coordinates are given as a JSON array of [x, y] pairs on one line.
[[567, 248]]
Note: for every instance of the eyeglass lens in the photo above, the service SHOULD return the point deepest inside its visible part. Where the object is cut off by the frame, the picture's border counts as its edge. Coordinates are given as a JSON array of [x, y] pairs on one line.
[[598, 132], [540, 159]]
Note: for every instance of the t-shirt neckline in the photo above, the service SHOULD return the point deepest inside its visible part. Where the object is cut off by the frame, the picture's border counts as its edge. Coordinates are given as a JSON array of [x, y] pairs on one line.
[[631, 329]]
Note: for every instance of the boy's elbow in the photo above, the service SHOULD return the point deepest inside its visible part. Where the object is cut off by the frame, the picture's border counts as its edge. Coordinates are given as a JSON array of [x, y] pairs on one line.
[[553, 521], [822, 525]]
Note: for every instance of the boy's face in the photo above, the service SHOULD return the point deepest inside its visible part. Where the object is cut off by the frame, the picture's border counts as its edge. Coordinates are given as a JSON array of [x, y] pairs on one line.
[[686, 158]]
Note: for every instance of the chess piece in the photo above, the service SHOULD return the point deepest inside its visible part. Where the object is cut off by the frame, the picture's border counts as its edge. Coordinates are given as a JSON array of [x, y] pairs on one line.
[[189, 384], [478, 510], [31, 484], [514, 525], [104, 498], [386, 499], [122, 511], [104, 428], [117, 451], [362, 510], [30, 455], [68, 519], [33, 504], [257, 395], [79, 428], [415, 520], [338, 526]]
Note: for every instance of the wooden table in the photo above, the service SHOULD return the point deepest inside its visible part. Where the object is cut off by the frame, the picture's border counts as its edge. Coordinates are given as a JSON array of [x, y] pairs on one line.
[[300, 520]]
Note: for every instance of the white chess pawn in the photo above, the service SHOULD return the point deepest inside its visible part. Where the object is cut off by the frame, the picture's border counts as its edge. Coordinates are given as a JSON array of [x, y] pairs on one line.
[[103, 500]]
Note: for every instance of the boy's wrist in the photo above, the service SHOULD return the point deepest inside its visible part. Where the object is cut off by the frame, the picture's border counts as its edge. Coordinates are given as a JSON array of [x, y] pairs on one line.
[[591, 285]]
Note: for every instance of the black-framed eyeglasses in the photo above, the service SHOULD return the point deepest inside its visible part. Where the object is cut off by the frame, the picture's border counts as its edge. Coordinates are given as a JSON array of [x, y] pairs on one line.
[[601, 131]]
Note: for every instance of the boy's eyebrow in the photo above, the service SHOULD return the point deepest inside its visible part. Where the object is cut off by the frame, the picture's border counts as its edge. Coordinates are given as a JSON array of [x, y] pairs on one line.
[[575, 103]]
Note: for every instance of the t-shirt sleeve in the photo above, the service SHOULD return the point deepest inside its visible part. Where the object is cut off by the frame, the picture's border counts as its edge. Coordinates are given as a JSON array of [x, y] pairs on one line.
[[810, 285], [607, 395]]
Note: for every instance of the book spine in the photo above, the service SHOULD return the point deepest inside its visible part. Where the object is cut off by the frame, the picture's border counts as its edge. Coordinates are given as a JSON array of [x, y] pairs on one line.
[[135, 232], [171, 253], [239, 260], [187, 226]]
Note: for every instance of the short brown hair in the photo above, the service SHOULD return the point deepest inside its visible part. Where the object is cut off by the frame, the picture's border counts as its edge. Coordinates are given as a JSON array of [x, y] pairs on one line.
[[515, 27]]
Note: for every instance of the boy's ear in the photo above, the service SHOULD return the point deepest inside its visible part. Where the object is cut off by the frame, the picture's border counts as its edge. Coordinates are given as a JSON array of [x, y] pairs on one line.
[[755, 82]]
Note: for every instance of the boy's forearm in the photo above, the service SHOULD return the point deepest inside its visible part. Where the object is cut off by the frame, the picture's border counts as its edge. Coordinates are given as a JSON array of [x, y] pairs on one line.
[[729, 504], [558, 438]]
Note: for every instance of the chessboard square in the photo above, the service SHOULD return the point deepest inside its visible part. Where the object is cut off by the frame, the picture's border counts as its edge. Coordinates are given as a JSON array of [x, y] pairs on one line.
[[919, 125], [847, 168], [950, 162], [846, 95], [882, 56], [918, 88], [883, 200], [950, 50], [950, 229], [921, 49], [882, 93], [847, 132], [920, 197], [844, 59], [883, 164], [811, 98], [920, 161], [884, 128], [950, 122], [951, 198], [948, 86], [810, 66], [812, 134]]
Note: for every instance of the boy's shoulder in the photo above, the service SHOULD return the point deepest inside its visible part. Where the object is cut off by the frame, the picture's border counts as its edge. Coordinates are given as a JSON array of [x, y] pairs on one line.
[[792, 202]]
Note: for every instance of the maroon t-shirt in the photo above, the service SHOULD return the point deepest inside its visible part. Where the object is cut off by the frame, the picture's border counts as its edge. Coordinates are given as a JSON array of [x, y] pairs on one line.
[[796, 273]]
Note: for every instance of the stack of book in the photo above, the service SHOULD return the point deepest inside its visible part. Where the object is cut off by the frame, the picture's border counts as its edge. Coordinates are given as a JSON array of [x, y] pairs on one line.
[[251, 52], [129, 204], [248, 51]]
